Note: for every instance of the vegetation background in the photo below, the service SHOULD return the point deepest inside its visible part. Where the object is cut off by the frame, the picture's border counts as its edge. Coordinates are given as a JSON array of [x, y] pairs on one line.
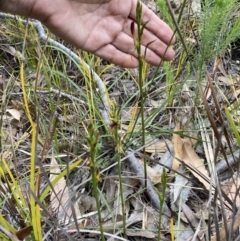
[[91, 151]]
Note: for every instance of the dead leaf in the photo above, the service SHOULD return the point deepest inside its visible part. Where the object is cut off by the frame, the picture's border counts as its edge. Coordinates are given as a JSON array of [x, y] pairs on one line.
[[185, 235], [222, 233], [166, 160], [231, 188], [25, 232], [190, 215], [14, 113], [191, 141], [60, 194], [157, 146], [153, 175], [127, 191], [220, 66], [226, 80], [191, 158], [180, 191], [142, 233], [177, 147], [236, 93], [129, 113], [110, 186], [88, 203]]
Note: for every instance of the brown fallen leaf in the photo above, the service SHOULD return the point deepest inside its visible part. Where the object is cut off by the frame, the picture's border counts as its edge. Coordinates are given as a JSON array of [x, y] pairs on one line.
[[222, 233], [178, 148], [230, 187], [191, 158], [60, 194], [227, 80], [157, 146], [14, 113], [220, 66], [25, 232], [192, 141], [142, 233], [153, 175]]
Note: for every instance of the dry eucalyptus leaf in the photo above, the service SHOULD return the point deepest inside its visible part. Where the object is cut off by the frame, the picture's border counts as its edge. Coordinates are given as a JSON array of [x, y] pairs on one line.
[[222, 233], [12, 132], [227, 80], [142, 233], [153, 175], [191, 141], [231, 189], [14, 113], [129, 113], [110, 187], [191, 158], [59, 196], [157, 146], [190, 215], [186, 235], [220, 66], [88, 203], [179, 192], [178, 148], [166, 159], [127, 190]]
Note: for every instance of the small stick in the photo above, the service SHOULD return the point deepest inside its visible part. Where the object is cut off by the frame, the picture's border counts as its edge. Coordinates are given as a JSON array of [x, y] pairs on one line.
[[152, 194]]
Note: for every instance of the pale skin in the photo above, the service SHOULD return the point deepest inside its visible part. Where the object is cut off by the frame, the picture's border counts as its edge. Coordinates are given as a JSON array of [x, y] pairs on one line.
[[102, 27]]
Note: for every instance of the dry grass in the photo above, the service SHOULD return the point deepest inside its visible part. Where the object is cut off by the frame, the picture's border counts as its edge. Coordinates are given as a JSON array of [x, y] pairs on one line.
[[67, 174]]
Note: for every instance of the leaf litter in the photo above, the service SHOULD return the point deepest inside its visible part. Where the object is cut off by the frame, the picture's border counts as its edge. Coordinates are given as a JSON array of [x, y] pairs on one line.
[[189, 176]]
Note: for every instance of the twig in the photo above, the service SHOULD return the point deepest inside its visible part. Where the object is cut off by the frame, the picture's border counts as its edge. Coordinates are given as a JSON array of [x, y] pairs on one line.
[[58, 92], [152, 194], [97, 232], [42, 35], [223, 165]]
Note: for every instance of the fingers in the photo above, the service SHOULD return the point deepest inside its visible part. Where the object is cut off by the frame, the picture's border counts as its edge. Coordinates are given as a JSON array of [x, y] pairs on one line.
[[125, 44], [115, 56], [151, 41], [123, 52], [154, 23], [155, 41], [93, 1]]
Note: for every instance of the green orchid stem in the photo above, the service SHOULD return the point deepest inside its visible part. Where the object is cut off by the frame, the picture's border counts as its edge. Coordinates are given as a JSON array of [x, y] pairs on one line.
[[140, 28], [93, 141]]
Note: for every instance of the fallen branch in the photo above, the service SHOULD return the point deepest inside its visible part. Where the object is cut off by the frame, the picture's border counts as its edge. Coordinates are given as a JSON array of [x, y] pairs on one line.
[[96, 232], [54, 91], [223, 164], [152, 193]]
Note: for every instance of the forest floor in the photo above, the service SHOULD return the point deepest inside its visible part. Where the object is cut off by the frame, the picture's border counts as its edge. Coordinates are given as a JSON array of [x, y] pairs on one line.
[[86, 156]]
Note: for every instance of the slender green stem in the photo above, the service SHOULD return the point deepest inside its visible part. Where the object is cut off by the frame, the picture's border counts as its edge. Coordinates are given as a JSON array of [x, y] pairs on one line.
[[140, 28], [93, 141], [161, 198], [118, 143]]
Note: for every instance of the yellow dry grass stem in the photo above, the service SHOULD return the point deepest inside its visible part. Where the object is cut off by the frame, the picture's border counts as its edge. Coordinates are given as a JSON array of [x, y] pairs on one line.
[[6, 224], [35, 208], [25, 95], [16, 189], [232, 124], [133, 120]]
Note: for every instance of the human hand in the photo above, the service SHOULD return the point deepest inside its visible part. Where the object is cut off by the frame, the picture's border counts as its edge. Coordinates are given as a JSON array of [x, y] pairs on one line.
[[103, 29]]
